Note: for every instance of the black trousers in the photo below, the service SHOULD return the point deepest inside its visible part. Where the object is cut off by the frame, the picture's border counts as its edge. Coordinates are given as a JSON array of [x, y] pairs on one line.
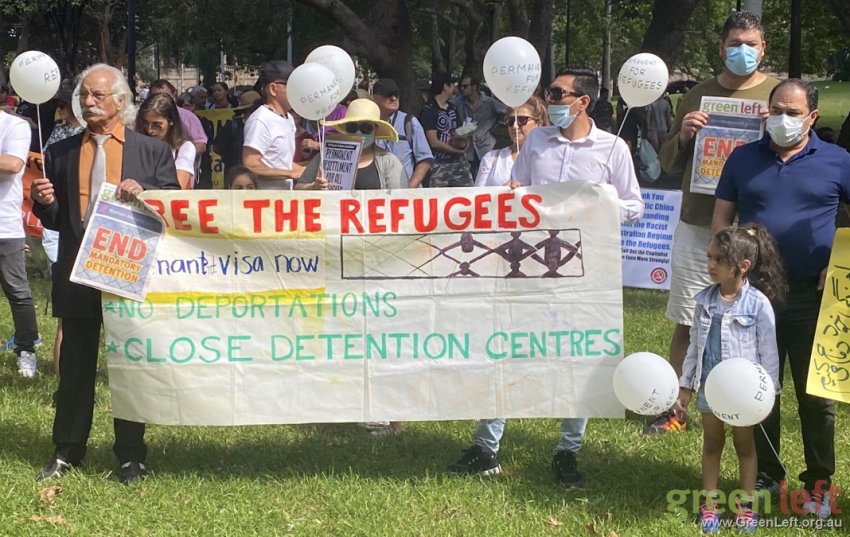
[[75, 400], [796, 323]]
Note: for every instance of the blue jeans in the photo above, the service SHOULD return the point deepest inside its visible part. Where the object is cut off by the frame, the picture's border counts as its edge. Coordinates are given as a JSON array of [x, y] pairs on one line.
[[489, 433], [13, 279]]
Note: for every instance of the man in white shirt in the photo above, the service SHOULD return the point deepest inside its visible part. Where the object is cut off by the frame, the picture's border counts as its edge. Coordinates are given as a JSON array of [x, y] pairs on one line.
[[14, 149], [269, 146], [573, 149]]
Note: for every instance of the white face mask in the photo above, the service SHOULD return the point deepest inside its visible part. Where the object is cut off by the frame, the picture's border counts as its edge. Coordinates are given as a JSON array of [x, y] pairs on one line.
[[785, 130]]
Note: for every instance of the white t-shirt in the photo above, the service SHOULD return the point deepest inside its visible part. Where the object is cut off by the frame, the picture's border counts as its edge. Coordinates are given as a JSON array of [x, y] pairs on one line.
[[495, 168], [274, 137], [15, 139], [184, 159]]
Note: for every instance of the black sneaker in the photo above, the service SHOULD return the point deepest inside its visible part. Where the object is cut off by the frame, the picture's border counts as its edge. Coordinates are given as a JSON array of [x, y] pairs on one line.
[[56, 469], [564, 464], [132, 472], [765, 483], [477, 460], [664, 423]]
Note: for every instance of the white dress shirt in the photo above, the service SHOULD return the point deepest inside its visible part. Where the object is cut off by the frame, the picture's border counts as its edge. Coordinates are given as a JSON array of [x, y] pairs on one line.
[[495, 168], [548, 157]]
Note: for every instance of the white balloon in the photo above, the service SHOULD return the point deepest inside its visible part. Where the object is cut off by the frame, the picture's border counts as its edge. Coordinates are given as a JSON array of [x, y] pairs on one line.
[[642, 79], [313, 91], [339, 62], [740, 392], [35, 76], [512, 70], [646, 383]]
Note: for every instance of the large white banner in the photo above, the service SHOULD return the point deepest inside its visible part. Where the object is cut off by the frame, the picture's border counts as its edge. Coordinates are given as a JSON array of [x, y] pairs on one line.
[[291, 307], [647, 244]]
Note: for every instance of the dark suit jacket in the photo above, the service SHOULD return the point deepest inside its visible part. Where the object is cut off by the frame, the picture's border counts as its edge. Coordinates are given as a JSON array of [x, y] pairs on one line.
[[147, 160]]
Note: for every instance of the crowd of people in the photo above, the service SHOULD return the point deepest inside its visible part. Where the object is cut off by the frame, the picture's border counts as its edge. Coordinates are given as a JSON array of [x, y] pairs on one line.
[[757, 297]]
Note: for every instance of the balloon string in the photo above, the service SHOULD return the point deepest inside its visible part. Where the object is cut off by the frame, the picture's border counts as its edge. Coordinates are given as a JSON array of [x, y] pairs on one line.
[[321, 146], [516, 129], [622, 123], [773, 449], [40, 142]]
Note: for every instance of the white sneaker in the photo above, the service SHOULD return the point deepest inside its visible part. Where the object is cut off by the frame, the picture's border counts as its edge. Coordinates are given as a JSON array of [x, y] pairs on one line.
[[378, 428], [819, 505], [26, 364]]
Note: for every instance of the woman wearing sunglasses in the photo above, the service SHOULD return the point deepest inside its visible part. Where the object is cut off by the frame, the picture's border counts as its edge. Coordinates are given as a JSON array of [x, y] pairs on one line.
[[495, 168], [377, 169], [158, 118]]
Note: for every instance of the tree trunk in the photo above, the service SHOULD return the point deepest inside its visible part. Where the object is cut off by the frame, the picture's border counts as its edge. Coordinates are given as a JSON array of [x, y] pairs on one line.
[[65, 20], [536, 29], [385, 42], [607, 81], [477, 32], [24, 35], [540, 27], [795, 53], [665, 36], [437, 64]]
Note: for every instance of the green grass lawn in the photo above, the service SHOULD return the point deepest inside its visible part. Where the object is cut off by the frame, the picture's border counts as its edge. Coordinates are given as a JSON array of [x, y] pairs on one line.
[[833, 103], [337, 480]]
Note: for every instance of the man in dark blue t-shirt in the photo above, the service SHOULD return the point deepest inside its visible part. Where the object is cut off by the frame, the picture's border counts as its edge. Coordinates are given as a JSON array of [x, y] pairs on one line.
[[440, 119], [792, 182]]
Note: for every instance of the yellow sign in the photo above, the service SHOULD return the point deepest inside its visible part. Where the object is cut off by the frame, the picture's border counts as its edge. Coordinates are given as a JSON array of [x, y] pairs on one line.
[[829, 369]]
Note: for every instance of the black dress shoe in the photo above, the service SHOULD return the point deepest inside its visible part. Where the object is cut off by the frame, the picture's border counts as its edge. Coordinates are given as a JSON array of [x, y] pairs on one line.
[[132, 472], [55, 469]]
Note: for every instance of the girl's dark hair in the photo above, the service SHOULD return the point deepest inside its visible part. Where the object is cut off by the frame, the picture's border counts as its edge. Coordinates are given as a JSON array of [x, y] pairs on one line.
[[754, 243], [235, 171], [163, 105]]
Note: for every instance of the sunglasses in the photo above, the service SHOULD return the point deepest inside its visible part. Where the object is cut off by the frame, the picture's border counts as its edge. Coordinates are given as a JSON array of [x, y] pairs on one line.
[[520, 120], [361, 128], [556, 94]]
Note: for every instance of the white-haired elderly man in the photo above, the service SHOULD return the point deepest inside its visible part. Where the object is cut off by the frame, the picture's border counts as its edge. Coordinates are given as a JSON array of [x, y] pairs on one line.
[[76, 167]]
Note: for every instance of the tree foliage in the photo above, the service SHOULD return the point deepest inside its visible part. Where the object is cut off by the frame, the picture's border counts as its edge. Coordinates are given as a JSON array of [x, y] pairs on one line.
[[409, 39]]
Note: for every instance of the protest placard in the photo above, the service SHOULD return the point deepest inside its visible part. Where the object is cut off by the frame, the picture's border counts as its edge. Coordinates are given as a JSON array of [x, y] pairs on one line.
[[731, 122], [119, 246], [829, 368], [340, 158], [304, 306], [647, 244]]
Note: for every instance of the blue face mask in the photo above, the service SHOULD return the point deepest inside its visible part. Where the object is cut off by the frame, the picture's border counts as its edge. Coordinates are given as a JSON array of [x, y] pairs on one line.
[[742, 60], [368, 140], [560, 116]]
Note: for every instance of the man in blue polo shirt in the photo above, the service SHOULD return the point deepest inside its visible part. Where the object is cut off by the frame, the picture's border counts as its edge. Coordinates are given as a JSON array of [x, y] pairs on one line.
[[793, 182]]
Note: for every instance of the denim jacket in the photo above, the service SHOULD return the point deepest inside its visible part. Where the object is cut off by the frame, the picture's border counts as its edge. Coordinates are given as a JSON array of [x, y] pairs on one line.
[[748, 330]]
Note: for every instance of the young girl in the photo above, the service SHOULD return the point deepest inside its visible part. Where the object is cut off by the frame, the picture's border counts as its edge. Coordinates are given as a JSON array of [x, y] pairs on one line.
[[733, 319], [239, 177], [158, 118]]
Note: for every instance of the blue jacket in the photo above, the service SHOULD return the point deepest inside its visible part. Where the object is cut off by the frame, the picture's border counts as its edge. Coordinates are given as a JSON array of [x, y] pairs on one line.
[[748, 330]]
